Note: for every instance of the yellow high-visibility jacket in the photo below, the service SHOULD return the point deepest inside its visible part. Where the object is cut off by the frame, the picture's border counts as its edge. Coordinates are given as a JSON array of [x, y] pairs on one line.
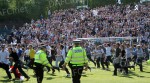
[[77, 56], [41, 58]]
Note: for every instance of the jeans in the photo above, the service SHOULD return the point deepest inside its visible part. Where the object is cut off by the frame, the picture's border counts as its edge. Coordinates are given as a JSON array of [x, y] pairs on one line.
[[108, 59], [116, 66], [90, 59], [139, 62], [58, 59]]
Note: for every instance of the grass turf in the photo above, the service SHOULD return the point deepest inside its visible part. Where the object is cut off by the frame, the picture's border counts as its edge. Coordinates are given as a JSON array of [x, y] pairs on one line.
[[95, 76]]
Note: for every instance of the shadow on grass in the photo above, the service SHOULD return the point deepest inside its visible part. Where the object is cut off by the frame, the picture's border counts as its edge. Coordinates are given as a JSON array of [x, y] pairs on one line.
[[8, 81], [17, 81], [93, 67], [127, 76], [4, 81], [50, 78], [51, 74], [5, 76], [133, 74], [84, 76], [33, 76], [67, 77], [146, 72]]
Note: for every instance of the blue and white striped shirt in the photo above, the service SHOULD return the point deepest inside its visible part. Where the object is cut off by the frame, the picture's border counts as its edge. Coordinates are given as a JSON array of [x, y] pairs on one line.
[[139, 52], [3, 56]]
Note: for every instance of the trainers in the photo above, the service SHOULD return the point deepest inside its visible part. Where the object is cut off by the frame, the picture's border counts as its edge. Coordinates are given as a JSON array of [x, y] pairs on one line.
[[89, 69], [15, 79], [68, 75], [58, 69], [28, 79], [95, 64], [48, 70], [114, 75]]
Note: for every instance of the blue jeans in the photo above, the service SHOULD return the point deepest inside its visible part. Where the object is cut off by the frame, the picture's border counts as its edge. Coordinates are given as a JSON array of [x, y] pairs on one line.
[[58, 59]]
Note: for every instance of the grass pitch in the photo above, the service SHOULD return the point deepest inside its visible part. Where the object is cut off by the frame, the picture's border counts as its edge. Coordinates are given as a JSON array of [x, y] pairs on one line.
[[95, 76]]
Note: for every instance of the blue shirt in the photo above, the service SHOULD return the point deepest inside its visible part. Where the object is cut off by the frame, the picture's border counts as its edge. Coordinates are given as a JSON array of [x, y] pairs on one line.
[[88, 51], [3, 56], [140, 52]]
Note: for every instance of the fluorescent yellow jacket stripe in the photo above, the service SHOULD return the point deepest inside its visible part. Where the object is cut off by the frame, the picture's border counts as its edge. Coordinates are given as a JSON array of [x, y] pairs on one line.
[[41, 57], [77, 56]]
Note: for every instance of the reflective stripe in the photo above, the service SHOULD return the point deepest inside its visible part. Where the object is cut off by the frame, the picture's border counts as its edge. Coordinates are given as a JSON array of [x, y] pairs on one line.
[[76, 56], [37, 57], [78, 60], [44, 61], [47, 63], [78, 65], [38, 54]]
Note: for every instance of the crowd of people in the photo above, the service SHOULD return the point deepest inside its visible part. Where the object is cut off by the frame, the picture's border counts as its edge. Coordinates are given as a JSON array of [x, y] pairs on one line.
[[63, 26]]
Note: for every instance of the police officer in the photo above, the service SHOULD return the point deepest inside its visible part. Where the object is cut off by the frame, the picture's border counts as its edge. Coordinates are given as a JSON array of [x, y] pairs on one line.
[[39, 62], [77, 59]]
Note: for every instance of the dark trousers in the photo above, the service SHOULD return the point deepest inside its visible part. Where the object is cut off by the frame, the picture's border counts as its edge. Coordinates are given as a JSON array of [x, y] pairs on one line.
[[18, 65], [26, 59], [98, 62], [90, 59], [147, 57], [39, 72], [76, 73], [6, 68], [116, 66], [103, 63], [134, 59], [128, 61], [139, 62], [108, 59], [66, 69], [31, 63], [99, 59], [50, 61]]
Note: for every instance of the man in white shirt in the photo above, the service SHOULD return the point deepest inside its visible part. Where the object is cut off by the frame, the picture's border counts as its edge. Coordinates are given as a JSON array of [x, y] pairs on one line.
[[108, 54], [96, 53], [102, 56], [26, 57], [4, 61], [63, 54]]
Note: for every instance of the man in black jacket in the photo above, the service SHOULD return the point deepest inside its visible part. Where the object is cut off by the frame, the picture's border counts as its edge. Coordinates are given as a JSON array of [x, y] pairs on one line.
[[15, 58], [116, 61]]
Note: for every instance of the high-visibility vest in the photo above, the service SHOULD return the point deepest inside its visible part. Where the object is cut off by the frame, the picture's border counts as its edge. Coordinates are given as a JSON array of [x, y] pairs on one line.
[[41, 58], [77, 56], [148, 61]]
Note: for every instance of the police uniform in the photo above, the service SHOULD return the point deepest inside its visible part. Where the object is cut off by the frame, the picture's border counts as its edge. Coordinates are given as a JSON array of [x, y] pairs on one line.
[[148, 61], [39, 62], [78, 59]]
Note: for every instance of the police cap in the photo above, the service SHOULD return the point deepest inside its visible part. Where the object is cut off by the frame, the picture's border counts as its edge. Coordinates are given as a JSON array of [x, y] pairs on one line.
[[76, 41]]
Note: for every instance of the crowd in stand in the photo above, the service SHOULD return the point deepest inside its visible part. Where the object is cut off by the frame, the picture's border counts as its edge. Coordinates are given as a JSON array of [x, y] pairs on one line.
[[63, 26], [69, 24]]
